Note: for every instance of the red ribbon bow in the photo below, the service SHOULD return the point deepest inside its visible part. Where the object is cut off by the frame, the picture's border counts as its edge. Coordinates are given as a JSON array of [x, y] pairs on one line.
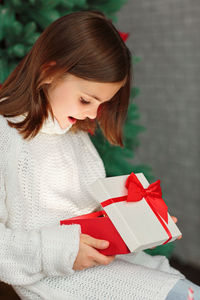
[[153, 195]]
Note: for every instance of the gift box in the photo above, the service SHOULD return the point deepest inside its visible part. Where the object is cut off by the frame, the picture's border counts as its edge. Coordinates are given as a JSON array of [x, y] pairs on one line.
[[134, 215], [99, 226]]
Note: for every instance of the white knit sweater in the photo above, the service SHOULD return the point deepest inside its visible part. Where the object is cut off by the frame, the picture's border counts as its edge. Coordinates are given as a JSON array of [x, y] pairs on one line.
[[43, 181]]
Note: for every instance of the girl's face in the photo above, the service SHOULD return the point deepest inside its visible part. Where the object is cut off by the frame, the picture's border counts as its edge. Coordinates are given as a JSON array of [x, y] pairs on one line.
[[76, 98]]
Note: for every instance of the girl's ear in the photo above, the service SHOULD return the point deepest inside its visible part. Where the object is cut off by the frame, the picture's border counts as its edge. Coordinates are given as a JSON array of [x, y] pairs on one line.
[[47, 81], [45, 69], [48, 65]]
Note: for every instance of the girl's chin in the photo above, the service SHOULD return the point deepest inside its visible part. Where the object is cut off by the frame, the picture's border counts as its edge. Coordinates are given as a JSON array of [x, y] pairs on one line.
[[64, 124]]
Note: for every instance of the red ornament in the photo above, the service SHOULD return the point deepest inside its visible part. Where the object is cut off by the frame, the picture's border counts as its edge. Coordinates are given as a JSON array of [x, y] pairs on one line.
[[124, 35], [90, 132]]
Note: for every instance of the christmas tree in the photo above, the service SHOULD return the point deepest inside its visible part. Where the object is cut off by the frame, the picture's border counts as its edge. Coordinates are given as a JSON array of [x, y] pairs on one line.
[[21, 23]]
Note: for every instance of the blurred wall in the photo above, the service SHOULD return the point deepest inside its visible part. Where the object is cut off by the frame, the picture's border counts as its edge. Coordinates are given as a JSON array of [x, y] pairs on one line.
[[166, 35]]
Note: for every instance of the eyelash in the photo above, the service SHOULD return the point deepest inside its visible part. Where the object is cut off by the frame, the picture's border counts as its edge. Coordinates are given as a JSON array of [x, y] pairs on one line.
[[83, 101]]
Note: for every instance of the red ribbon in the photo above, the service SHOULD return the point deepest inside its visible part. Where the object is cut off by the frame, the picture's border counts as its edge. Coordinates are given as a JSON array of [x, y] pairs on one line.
[[153, 196]]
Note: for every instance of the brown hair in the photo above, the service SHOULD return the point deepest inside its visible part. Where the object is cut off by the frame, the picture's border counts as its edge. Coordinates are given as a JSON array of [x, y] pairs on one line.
[[84, 44]]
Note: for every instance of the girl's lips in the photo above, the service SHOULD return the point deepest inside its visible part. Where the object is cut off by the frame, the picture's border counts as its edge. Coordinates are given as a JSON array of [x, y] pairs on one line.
[[72, 120]]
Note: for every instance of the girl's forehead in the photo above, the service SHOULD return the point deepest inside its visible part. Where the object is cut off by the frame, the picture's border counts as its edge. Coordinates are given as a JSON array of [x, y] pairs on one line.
[[93, 88]]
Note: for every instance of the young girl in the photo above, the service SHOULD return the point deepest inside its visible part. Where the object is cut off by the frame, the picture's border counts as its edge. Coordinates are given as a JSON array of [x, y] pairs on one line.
[[48, 104]]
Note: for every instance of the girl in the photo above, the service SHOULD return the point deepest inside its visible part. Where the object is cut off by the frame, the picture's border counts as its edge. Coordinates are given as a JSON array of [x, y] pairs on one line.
[[47, 162]]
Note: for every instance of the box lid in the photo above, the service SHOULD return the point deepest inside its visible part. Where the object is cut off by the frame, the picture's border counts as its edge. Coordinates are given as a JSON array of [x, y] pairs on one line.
[[135, 221]]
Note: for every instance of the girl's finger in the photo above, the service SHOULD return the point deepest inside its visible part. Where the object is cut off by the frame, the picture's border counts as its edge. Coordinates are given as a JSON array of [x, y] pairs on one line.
[[96, 243], [101, 259], [174, 219]]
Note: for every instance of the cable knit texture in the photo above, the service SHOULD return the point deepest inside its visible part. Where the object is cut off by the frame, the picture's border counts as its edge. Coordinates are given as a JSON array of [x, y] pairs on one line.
[[43, 181]]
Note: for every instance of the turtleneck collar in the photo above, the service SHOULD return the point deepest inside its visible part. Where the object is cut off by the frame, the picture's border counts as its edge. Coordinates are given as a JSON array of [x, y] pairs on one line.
[[49, 126]]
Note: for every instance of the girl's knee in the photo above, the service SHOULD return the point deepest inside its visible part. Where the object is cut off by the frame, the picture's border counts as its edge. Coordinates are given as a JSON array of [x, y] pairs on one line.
[[181, 291]]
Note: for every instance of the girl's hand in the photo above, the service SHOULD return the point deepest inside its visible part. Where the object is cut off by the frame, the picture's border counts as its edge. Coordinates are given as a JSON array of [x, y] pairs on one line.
[[175, 221], [88, 256]]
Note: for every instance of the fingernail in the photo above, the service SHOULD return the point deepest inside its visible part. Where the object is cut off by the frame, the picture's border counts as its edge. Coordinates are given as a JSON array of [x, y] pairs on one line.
[[105, 244]]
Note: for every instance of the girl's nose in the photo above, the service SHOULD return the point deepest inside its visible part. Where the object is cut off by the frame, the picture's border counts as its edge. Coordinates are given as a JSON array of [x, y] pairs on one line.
[[92, 113]]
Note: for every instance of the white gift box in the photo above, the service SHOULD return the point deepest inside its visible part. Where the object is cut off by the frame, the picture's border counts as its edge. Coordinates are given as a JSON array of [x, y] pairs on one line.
[[136, 222]]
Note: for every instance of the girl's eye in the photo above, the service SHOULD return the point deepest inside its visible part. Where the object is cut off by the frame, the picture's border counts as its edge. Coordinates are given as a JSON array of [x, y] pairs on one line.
[[84, 101]]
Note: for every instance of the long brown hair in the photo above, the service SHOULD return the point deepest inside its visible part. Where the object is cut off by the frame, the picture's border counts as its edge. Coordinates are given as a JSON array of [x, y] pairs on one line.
[[84, 44]]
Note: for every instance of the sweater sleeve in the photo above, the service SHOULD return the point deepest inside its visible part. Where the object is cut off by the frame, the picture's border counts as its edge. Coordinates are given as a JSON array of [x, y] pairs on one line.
[[26, 257]]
